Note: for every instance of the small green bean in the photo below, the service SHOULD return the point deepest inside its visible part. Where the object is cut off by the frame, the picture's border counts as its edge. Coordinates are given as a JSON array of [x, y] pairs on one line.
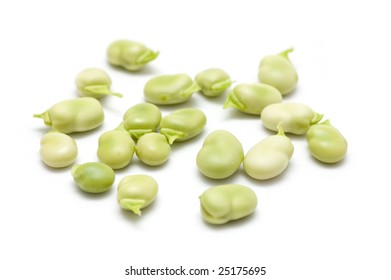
[[94, 82], [153, 149], [220, 155], [224, 203], [182, 124], [326, 143], [142, 118], [130, 55], [136, 192], [58, 149], [213, 81], [279, 72], [170, 89], [252, 98], [294, 118], [116, 148], [93, 177], [74, 115]]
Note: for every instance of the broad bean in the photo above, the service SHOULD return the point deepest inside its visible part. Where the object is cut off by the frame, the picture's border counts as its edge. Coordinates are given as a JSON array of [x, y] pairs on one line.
[[220, 155], [326, 143], [94, 82], [130, 55], [153, 149], [136, 192], [224, 203], [295, 118], [182, 124], [58, 149], [116, 148], [269, 157], [93, 177], [252, 98], [279, 72], [170, 89], [142, 118], [213, 81], [74, 115]]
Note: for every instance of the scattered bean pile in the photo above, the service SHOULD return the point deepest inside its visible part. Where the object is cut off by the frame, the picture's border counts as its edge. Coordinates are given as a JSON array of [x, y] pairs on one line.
[[146, 133]]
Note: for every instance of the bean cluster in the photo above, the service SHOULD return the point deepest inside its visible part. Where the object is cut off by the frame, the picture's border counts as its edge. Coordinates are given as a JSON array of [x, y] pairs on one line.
[[145, 132]]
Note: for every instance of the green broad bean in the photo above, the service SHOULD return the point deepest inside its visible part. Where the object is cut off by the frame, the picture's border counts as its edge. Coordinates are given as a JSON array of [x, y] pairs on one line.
[[252, 98], [142, 118], [93, 177], [74, 115], [182, 124], [269, 157], [224, 203], [220, 155], [58, 149], [94, 82], [136, 192], [326, 143], [116, 148], [130, 55], [295, 118], [153, 149], [279, 72], [213, 81], [170, 89]]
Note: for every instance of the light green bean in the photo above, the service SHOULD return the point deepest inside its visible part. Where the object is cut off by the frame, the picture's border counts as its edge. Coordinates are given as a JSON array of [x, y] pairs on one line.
[[252, 98], [153, 149], [58, 149], [224, 203], [182, 124], [136, 192], [279, 72], [220, 155], [116, 148], [269, 157], [294, 118], [142, 118], [170, 89], [74, 115], [213, 81], [93, 177], [326, 143], [94, 82], [130, 55]]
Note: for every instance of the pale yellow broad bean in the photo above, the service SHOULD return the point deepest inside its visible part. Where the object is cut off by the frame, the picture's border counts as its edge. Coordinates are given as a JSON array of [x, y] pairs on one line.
[[269, 157], [58, 149], [295, 118]]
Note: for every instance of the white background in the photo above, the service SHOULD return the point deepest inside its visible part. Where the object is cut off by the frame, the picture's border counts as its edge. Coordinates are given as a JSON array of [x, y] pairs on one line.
[[314, 222]]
